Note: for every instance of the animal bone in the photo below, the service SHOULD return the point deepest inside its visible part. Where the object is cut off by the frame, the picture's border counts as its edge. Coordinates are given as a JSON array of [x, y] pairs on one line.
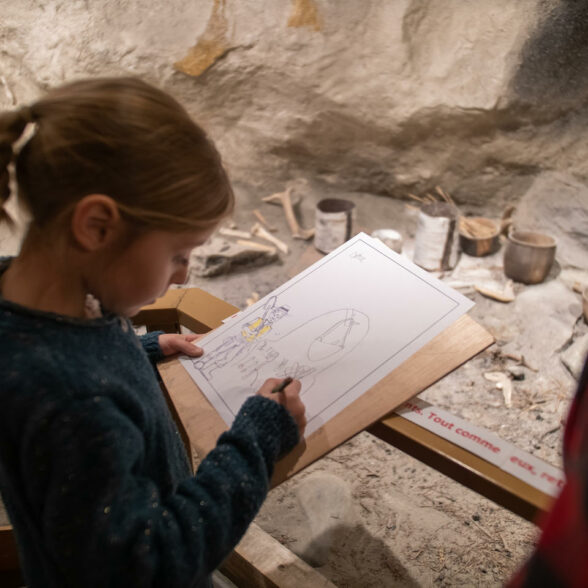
[[285, 199], [263, 221], [258, 231], [254, 245], [252, 299], [234, 233], [506, 295], [502, 382]]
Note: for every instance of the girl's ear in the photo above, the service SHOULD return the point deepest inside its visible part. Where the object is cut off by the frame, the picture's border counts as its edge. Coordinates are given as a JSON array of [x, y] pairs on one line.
[[96, 222]]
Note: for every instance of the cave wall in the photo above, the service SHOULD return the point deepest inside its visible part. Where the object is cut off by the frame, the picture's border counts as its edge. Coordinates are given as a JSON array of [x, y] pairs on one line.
[[383, 96]]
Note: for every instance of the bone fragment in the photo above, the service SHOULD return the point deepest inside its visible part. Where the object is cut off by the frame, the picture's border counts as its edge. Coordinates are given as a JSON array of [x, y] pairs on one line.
[[502, 382], [520, 359], [258, 231], [254, 245], [285, 199], [252, 299], [235, 233], [506, 220], [263, 221], [506, 295]]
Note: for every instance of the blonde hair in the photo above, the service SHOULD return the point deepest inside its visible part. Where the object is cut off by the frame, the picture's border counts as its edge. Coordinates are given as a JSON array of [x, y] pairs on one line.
[[120, 137]]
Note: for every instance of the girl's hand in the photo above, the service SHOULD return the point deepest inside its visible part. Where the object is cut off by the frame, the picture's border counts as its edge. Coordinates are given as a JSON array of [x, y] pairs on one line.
[[289, 399], [172, 343]]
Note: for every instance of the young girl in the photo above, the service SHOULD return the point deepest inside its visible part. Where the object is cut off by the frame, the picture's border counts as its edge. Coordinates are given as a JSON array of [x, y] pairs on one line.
[[120, 185]]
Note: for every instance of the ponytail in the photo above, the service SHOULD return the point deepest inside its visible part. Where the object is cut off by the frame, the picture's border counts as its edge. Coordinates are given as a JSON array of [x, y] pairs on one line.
[[12, 126], [116, 136]]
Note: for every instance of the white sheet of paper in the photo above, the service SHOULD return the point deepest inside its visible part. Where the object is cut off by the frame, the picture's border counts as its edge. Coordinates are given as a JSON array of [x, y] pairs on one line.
[[339, 327]]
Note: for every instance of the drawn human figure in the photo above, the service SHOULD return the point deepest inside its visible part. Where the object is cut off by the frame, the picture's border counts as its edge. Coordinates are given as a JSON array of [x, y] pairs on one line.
[[251, 367], [257, 349], [327, 338], [244, 344], [227, 351], [263, 324]]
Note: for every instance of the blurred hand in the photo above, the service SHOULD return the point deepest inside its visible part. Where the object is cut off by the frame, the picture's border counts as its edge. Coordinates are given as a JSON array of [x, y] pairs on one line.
[[289, 399], [172, 343]]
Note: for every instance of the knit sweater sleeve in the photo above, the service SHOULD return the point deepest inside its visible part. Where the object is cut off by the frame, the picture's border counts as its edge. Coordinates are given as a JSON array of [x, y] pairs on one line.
[[150, 343], [108, 524]]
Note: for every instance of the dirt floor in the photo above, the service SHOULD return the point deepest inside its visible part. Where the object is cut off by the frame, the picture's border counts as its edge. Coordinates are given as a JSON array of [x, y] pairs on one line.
[[386, 519]]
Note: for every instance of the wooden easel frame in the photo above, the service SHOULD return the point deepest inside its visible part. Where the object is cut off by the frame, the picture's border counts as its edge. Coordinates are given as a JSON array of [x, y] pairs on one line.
[[201, 312]]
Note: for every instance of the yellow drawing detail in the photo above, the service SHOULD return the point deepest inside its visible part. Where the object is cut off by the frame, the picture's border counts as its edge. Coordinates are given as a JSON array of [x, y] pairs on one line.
[[254, 329]]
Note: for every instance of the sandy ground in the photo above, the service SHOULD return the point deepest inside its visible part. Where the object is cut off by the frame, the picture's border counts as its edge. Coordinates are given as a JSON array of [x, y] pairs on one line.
[[388, 519]]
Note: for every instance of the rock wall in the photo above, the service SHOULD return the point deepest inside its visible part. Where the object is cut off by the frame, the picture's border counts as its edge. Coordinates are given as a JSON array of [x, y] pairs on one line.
[[383, 96]]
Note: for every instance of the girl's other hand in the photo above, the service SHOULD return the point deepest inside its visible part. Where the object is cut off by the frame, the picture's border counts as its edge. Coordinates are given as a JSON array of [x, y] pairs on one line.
[[172, 343], [289, 399]]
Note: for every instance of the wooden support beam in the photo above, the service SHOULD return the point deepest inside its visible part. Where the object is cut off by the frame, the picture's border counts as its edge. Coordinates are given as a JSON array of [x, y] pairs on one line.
[[464, 467], [261, 561]]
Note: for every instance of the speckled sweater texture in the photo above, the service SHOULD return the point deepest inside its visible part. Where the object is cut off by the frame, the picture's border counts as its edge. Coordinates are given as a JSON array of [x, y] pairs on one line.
[[93, 472]]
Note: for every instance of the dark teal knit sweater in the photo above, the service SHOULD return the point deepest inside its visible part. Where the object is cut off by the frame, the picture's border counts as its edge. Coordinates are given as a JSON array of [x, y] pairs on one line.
[[92, 469]]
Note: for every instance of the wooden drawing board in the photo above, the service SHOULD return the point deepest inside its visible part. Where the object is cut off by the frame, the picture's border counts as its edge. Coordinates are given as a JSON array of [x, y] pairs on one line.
[[455, 345]]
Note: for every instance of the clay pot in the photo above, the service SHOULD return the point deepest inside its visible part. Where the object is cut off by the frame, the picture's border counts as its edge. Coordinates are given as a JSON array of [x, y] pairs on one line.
[[479, 236], [528, 256]]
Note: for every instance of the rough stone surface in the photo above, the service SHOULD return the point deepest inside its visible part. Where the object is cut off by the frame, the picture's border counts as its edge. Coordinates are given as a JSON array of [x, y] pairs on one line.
[[379, 96], [325, 499], [557, 204], [220, 256]]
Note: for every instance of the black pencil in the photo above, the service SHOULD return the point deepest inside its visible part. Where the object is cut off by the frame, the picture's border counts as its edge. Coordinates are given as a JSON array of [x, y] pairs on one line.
[[283, 385]]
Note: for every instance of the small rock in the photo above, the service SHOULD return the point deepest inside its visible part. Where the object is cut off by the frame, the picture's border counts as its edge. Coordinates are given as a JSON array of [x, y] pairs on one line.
[[516, 373], [326, 502], [564, 217], [574, 356], [220, 256]]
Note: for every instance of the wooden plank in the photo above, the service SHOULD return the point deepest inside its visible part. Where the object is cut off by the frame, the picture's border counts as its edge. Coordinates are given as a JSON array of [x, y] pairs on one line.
[[162, 312], [261, 561], [464, 467], [200, 311], [454, 346], [194, 308]]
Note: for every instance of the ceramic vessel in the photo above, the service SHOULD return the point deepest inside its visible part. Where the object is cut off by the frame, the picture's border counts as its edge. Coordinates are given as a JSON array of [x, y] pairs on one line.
[[528, 256], [479, 236]]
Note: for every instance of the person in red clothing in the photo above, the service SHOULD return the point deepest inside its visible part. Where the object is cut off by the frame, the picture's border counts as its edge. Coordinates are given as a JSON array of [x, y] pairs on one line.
[[561, 555]]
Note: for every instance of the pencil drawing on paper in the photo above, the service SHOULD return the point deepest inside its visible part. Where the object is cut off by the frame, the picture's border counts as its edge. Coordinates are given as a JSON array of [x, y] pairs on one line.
[[253, 352], [339, 327]]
